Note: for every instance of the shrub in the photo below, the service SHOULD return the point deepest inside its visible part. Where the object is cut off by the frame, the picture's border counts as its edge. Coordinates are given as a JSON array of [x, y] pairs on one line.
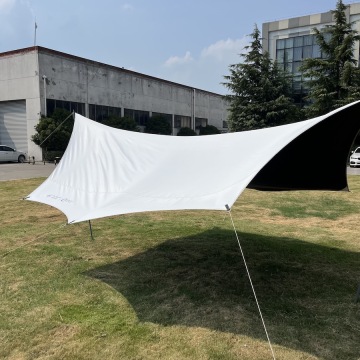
[[209, 130], [186, 131], [158, 125]]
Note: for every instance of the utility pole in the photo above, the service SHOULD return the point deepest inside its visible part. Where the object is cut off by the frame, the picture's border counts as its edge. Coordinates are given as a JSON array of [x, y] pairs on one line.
[[35, 33], [45, 107]]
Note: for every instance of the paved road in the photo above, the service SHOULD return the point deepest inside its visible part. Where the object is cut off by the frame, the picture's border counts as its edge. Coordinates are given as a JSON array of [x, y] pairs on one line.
[[13, 171], [353, 171]]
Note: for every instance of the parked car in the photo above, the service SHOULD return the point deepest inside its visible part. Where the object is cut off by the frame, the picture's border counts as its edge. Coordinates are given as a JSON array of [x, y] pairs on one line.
[[9, 154], [355, 158]]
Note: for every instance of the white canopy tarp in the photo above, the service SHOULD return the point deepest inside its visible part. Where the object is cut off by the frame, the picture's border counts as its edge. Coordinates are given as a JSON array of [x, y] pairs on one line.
[[106, 171]]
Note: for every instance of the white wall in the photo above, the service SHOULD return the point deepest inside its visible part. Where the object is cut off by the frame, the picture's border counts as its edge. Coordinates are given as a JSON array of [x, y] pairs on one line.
[[19, 80]]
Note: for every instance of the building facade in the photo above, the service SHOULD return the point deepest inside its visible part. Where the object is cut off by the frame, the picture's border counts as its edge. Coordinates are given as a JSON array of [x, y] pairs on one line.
[[290, 41], [36, 80]]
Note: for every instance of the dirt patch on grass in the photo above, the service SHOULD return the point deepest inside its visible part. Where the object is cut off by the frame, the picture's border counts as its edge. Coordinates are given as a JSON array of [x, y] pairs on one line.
[[17, 355]]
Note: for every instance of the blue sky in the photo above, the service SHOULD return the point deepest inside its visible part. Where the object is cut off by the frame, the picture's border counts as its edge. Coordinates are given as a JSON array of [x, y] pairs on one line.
[[192, 42]]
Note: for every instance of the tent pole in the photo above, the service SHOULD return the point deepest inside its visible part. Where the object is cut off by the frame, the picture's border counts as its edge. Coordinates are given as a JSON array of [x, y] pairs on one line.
[[357, 297], [91, 232], [252, 286]]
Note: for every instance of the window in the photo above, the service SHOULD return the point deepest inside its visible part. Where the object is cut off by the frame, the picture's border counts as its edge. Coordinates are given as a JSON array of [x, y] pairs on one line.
[[129, 113], [308, 39], [307, 52], [182, 121], [114, 111], [288, 67], [289, 43], [280, 56], [290, 54], [225, 124], [168, 117], [316, 52], [102, 112], [296, 67], [50, 106], [77, 107], [92, 111], [200, 122], [71, 106], [280, 44], [298, 53], [298, 41], [141, 117]]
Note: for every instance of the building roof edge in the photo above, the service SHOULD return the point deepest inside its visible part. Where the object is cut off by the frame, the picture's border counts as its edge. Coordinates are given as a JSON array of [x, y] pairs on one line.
[[41, 49]]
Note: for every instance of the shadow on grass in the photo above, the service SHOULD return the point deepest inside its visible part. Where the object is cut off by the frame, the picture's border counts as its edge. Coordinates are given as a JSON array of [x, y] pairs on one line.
[[306, 291]]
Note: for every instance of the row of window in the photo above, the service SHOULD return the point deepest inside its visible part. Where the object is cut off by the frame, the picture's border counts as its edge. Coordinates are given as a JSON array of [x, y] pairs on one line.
[[101, 112], [141, 117], [290, 54], [70, 106], [296, 41]]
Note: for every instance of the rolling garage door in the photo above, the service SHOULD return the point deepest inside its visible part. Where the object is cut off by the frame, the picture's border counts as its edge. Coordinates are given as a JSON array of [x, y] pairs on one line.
[[13, 127]]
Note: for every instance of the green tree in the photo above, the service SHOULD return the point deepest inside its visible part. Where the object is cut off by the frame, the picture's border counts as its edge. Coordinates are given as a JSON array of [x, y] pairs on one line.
[[158, 125], [333, 79], [59, 139], [125, 123], [186, 131], [208, 130], [260, 93]]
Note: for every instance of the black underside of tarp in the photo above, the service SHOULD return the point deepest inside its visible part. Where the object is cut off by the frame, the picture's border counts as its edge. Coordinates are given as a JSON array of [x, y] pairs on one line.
[[315, 160]]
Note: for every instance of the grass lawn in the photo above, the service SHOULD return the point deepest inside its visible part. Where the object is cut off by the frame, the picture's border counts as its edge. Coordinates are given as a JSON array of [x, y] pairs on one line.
[[172, 285]]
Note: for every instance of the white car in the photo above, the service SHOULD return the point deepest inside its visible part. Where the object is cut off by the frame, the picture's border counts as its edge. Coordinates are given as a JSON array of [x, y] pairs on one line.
[[355, 158], [9, 154]]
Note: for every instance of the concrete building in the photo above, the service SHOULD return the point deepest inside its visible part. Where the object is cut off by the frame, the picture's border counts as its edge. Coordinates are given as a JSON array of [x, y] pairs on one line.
[[36, 80], [289, 41]]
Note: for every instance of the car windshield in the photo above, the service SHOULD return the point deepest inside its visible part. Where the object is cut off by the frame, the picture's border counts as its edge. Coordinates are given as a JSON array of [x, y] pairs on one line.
[[357, 150]]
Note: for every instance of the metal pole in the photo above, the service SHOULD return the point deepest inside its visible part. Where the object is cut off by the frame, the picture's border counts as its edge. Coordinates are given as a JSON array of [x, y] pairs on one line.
[[91, 232], [357, 297], [194, 123], [45, 107], [35, 33]]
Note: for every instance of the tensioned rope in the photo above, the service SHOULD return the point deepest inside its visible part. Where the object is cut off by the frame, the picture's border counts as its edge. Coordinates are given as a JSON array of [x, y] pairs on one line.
[[61, 226], [72, 114], [251, 283], [33, 240]]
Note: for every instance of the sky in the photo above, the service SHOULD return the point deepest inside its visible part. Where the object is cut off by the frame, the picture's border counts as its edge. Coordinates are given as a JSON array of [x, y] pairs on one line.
[[191, 42]]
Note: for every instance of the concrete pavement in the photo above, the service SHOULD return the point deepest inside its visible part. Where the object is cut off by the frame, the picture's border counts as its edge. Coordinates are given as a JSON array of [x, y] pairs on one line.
[[353, 171], [15, 171]]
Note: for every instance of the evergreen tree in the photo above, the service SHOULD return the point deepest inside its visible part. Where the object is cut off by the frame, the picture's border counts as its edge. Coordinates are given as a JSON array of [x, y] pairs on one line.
[[158, 125], [125, 123], [59, 138], [260, 92], [208, 130], [333, 79]]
